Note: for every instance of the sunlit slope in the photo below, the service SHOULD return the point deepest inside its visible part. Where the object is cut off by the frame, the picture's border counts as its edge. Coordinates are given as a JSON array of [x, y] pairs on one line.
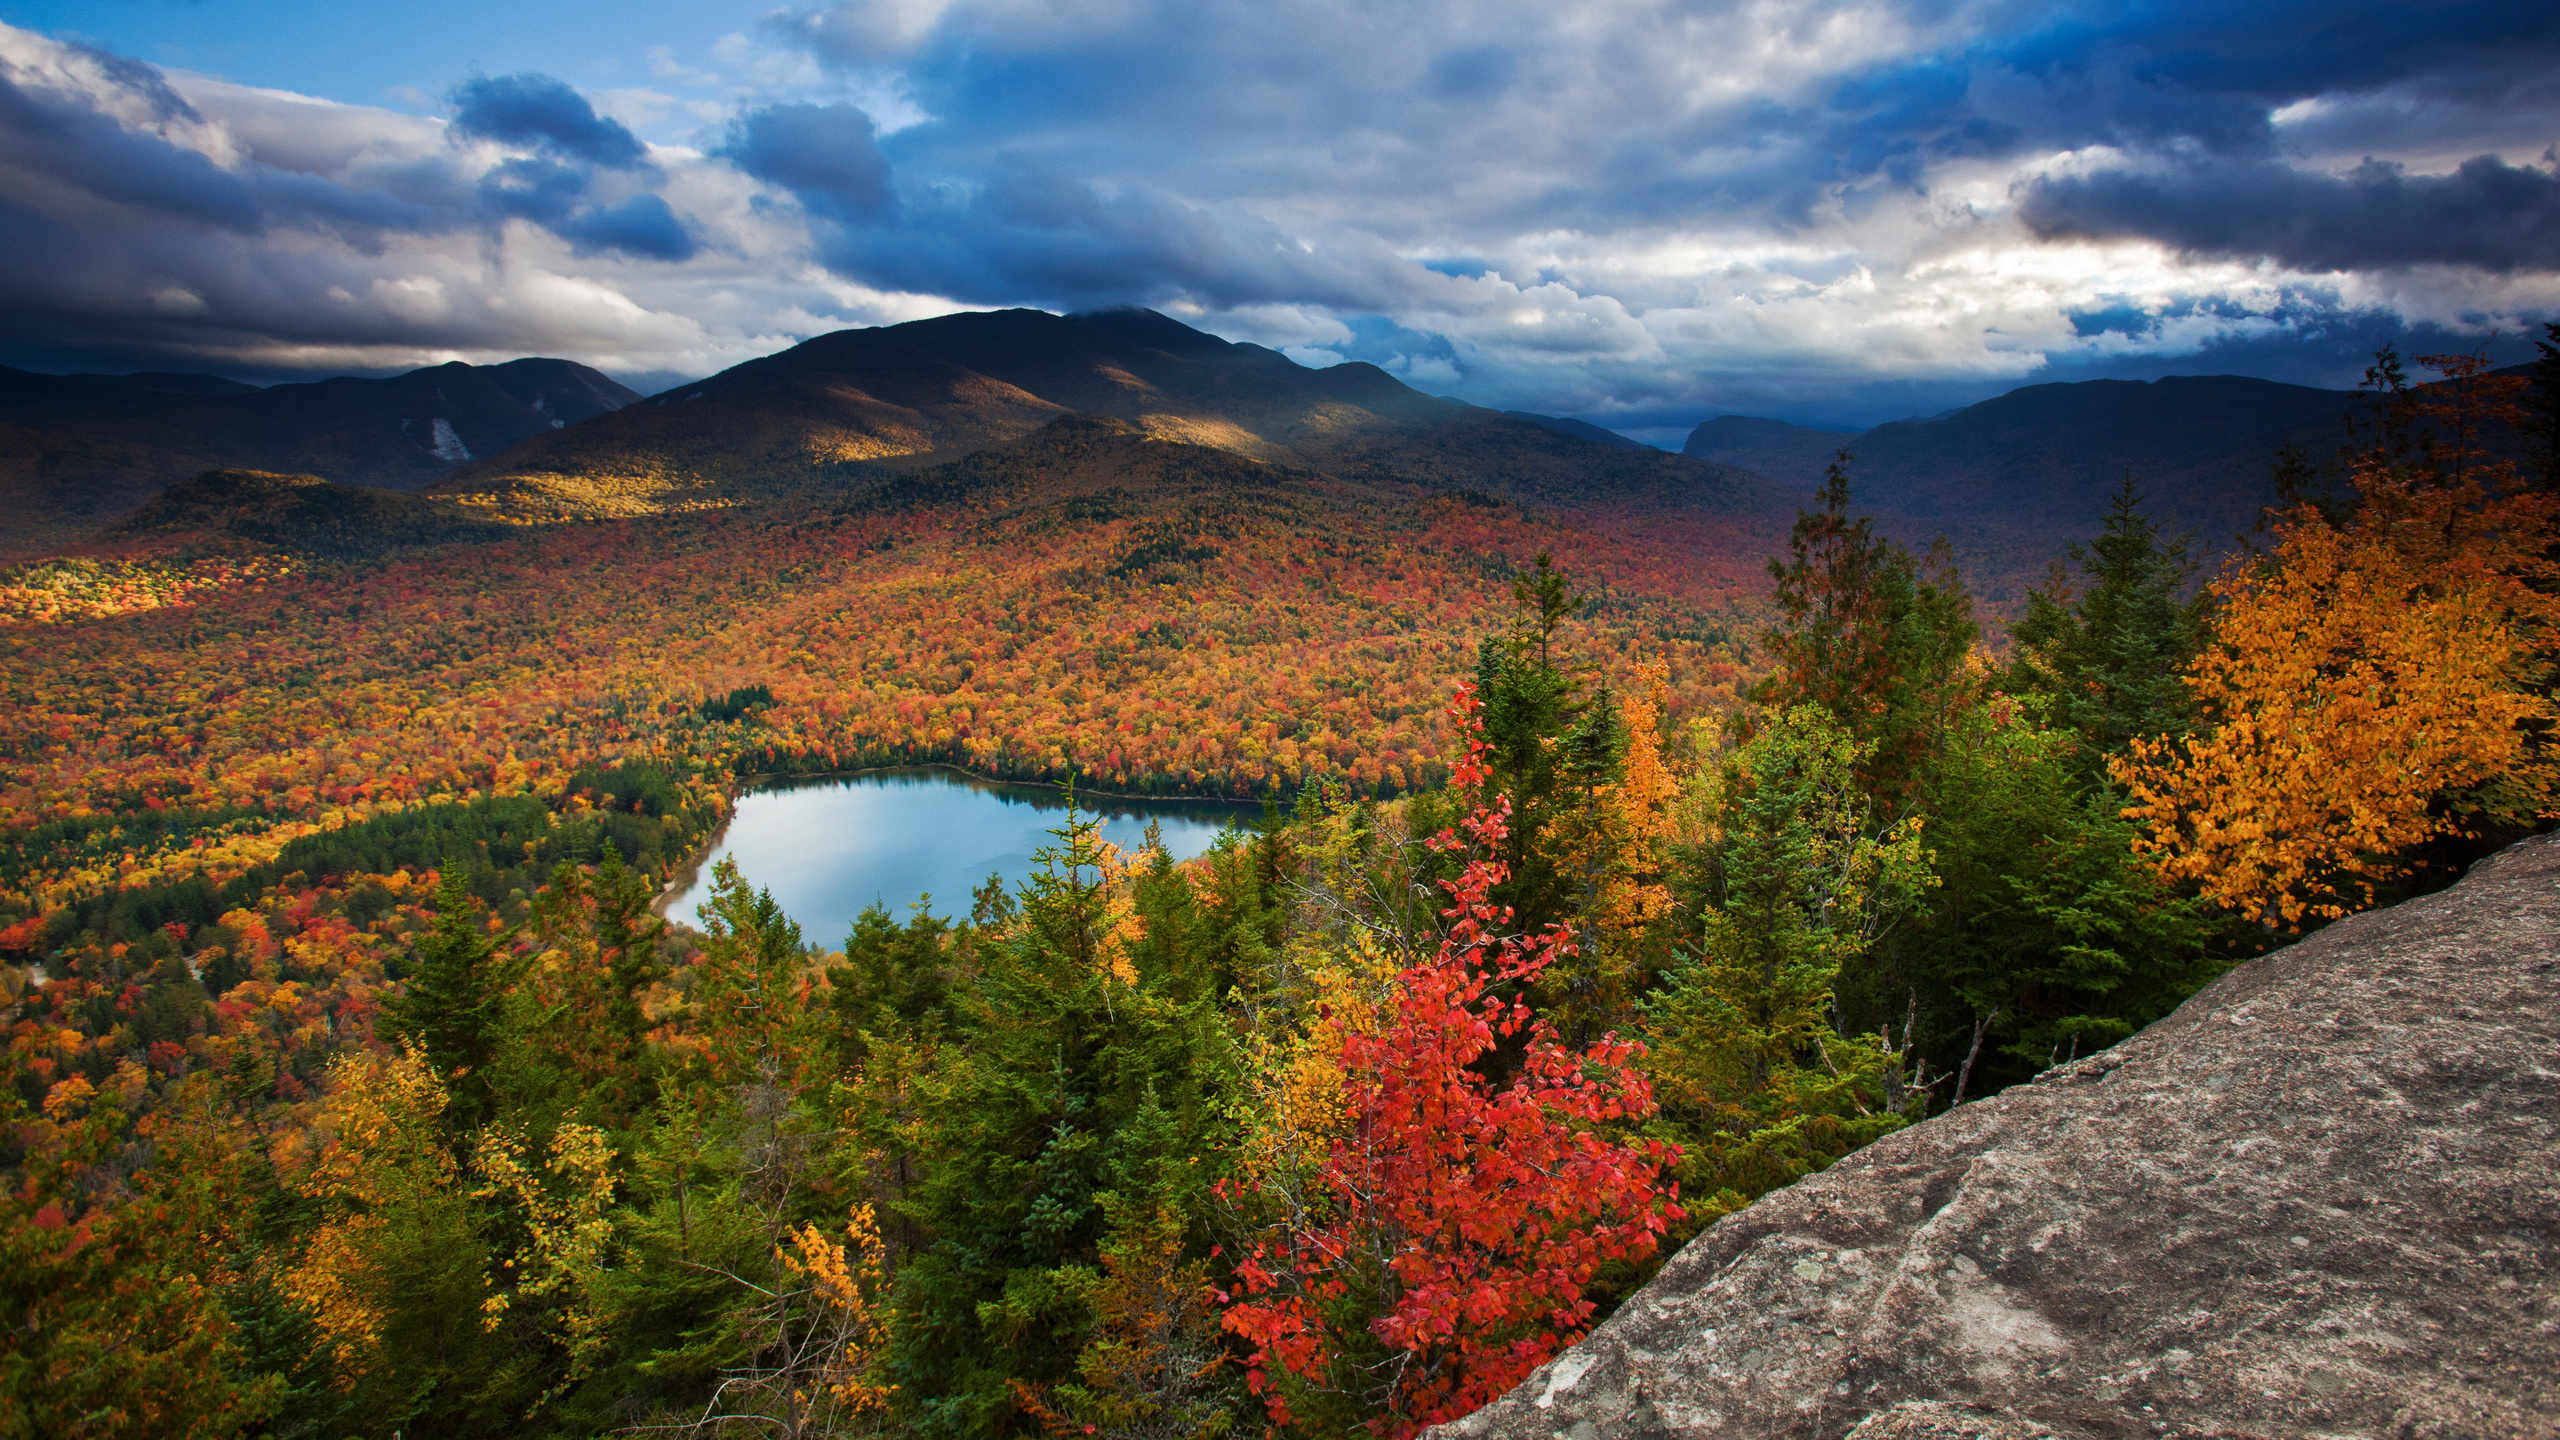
[[828, 415]]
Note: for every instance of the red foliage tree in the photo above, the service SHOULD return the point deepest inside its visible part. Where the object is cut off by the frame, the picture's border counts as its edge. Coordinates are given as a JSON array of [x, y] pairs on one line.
[[1447, 1244]]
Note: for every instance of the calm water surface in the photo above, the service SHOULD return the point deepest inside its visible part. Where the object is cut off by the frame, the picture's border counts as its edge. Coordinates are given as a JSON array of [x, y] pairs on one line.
[[830, 847]]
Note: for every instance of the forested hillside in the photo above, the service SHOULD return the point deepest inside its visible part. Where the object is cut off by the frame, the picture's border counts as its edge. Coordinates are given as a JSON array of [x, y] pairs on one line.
[[1626, 856], [78, 451], [831, 414]]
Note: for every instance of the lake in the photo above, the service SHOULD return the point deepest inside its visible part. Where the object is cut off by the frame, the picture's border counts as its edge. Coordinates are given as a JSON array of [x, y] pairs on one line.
[[831, 846]]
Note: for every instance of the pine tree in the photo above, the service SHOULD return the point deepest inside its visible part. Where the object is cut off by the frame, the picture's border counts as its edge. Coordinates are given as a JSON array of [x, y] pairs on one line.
[[2047, 936], [2541, 403], [1789, 879], [1530, 702]]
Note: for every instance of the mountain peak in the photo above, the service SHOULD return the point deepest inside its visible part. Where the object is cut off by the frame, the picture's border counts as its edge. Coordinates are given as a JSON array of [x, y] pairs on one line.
[[1153, 329]]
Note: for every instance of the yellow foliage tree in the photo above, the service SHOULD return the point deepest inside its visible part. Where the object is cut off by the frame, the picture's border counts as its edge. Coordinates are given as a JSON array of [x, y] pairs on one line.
[[1617, 843], [567, 1224], [2375, 683], [847, 1284]]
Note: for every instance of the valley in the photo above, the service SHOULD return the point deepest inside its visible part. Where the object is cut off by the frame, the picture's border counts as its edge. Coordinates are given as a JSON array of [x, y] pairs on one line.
[[1605, 839]]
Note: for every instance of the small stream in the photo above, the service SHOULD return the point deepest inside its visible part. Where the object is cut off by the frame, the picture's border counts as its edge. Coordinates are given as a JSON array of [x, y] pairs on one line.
[[831, 846]]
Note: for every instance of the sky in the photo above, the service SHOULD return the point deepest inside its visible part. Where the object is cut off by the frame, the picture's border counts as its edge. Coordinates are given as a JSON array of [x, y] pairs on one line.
[[1642, 214]]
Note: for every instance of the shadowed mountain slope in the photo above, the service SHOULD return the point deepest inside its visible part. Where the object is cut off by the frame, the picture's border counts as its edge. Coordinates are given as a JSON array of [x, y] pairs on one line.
[[398, 434], [1582, 428], [78, 450], [2200, 446], [829, 412], [1789, 454], [56, 488], [232, 510]]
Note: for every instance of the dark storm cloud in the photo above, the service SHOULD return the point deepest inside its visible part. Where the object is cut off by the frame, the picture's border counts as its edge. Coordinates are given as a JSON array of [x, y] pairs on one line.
[[827, 155], [542, 112], [1027, 234], [643, 226], [74, 142], [1638, 203], [1513, 116], [139, 224], [552, 187], [63, 140], [542, 191], [2486, 214]]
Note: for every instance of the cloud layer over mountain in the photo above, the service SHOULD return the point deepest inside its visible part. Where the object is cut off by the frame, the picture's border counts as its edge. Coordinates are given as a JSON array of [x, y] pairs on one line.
[[1639, 212]]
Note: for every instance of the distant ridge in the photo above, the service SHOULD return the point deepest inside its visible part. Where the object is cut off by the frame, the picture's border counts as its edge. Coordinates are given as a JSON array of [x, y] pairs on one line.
[[1792, 454], [834, 412], [76, 451], [1583, 428], [2043, 459]]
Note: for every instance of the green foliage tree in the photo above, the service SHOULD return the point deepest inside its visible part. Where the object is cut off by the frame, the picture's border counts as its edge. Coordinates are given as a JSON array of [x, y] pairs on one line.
[[1870, 633], [2541, 404], [1082, 1115], [1789, 878], [2047, 936], [456, 1002], [1531, 700], [2113, 653]]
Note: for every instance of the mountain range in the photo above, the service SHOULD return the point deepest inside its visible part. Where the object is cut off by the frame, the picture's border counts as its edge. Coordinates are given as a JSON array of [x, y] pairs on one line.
[[842, 410], [78, 451], [2010, 480], [2047, 457]]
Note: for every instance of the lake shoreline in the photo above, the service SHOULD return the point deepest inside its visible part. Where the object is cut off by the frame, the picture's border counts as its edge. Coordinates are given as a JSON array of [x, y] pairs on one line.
[[686, 877], [969, 774]]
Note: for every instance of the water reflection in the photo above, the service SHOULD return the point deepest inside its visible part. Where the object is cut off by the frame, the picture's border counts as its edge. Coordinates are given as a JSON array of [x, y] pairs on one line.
[[830, 847]]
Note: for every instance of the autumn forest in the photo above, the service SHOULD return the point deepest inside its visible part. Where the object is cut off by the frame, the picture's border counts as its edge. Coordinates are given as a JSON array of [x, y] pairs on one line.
[[1633, 842]]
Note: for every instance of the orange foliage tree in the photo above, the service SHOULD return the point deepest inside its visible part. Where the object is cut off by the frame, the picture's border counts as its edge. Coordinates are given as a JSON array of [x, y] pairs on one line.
[[2375, 682]]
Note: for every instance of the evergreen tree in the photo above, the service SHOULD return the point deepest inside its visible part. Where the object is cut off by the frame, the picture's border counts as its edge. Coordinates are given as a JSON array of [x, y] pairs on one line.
[[1789, 880], [1530, 703], [597, 956], [897, 982], [2046, 936], [1871, 634], [627, 937], [1083, 1115], [2114, 655], [455, 1004], [2542, 411]]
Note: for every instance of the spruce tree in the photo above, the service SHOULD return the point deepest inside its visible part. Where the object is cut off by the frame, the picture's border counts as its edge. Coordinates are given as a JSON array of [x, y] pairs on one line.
[[2114, 655], [454, 1007], [1530, 702], [1873, 635], [2542, 411], [1085, 1106]]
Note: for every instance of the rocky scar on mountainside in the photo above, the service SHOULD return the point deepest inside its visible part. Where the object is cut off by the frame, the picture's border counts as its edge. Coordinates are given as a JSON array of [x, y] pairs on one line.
[[2319, 1200]]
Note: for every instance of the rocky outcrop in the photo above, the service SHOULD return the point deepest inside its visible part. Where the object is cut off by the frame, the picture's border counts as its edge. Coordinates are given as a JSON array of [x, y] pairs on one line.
[[2319, 1200]]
